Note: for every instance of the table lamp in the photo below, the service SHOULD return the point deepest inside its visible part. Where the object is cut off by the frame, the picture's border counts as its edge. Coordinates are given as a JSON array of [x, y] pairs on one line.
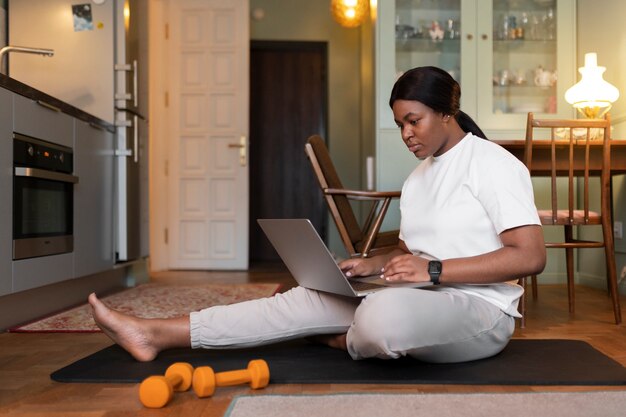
[[592, 96]]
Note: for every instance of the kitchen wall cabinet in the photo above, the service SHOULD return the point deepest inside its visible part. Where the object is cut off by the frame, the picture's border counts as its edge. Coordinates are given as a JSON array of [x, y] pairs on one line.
[[93, 199], [493, 48], [6, 179]]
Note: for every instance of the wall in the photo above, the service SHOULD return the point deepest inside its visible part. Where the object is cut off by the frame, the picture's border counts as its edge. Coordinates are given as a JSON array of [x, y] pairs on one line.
[[81, 71], [303, 20], [601, 30], [3, 23], [3, 30]]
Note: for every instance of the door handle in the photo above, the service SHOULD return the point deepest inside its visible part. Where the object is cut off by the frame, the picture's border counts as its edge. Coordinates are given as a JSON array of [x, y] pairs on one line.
[[135, 139], [135, 84], [134, 95], [242, 146]]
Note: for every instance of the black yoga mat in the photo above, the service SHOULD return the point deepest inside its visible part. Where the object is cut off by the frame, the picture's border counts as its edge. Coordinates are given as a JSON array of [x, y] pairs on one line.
[[522, 362]]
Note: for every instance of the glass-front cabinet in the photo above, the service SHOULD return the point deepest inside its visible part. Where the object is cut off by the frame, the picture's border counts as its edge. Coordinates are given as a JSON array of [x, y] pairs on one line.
[[510, 56]]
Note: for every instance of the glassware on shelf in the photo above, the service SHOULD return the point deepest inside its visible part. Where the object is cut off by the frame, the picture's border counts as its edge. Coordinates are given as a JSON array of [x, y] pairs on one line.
[[404, 32], [436, 32], [549, 23], [452, 31], [524, 54], [520, 77], [435, 38], [544, 78]]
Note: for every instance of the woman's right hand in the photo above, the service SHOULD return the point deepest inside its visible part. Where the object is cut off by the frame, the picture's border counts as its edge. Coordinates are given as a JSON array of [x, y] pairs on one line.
[[356, 267], [362, 267]]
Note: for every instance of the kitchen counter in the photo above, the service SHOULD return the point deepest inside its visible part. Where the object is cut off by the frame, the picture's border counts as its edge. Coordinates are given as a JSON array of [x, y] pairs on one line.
[[47, 100], [32, 280]]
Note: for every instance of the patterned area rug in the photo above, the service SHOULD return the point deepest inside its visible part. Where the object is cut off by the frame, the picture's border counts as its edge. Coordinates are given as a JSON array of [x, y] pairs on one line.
[[152, 300]]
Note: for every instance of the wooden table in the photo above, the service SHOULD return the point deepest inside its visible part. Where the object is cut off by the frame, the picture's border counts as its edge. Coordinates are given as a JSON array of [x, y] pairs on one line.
[[541, 155]]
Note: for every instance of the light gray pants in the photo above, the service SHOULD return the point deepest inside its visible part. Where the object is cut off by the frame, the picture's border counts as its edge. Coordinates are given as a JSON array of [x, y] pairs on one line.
[[434, 325]]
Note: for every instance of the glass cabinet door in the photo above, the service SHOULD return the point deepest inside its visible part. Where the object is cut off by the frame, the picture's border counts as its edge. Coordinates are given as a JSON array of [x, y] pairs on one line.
[[428, 33], [524, 56], [510, 56]]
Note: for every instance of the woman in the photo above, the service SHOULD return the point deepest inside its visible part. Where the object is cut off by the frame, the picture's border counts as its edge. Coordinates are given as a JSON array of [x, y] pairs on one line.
[[469, 225]]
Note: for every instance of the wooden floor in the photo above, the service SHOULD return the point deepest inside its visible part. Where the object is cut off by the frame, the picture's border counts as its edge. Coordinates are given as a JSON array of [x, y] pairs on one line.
[[26, 360]]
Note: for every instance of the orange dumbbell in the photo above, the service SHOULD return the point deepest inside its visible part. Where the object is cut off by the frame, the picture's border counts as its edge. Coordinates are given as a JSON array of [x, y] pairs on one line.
[[205, 380], [157, 390]]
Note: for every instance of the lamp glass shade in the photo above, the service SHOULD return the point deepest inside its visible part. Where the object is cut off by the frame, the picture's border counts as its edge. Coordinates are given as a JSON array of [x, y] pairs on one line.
[[349, 13], [592, 91]]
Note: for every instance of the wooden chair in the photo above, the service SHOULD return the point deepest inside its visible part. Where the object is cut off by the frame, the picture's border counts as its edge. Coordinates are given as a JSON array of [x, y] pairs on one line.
[[359, 241], [570, 144]]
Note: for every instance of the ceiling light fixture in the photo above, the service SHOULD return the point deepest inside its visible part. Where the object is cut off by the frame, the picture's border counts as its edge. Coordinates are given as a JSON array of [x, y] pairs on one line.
[[349, 13]]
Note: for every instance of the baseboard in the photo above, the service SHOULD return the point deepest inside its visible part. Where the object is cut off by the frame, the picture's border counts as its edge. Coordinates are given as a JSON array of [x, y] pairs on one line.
[[136, 271], [26, 306], [551, 278], [587, 280], [599, 282]]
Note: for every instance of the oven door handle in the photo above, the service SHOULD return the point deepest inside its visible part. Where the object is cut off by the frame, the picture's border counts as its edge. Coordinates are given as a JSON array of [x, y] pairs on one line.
[[45, 175]]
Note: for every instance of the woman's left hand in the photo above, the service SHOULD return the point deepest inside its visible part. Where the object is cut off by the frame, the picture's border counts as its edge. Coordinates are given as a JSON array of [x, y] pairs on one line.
[[406, 268]]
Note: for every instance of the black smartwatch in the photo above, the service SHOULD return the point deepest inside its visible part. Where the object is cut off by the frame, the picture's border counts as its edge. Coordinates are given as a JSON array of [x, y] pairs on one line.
[[434, 270]]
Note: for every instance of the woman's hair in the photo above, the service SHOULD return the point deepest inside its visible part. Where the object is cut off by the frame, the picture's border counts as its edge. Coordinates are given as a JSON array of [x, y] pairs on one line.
[[436, 89]]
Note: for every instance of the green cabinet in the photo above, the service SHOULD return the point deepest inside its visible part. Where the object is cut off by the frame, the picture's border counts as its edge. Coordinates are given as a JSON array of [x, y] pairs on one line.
[[510, 57]]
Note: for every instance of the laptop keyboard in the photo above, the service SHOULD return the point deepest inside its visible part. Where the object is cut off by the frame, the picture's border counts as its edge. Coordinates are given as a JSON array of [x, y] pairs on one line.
[[364, 286]]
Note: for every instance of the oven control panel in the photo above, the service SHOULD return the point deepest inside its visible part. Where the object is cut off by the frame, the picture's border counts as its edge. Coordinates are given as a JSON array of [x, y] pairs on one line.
[[36, 153]]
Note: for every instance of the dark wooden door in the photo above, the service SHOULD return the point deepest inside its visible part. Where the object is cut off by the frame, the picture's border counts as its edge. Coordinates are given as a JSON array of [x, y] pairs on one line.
[[288, 103]]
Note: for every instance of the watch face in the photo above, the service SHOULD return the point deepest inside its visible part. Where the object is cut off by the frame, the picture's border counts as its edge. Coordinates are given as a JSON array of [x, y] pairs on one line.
[[434, 270], [434, 267]]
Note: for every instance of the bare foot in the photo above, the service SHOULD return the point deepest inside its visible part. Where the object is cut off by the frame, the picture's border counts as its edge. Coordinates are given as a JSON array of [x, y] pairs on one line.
[[132, 333], [337, 341]]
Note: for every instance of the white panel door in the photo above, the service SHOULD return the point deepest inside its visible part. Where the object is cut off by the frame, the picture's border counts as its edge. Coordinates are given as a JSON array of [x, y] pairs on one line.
[[208, 172]]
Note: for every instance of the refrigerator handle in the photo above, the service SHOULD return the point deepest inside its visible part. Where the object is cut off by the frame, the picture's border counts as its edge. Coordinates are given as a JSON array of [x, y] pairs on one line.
[[123, 95], [135, 84], [127, 96], [135, 139]]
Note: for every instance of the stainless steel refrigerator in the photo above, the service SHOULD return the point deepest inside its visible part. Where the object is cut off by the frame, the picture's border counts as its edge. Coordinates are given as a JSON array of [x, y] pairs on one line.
[[131, 109]]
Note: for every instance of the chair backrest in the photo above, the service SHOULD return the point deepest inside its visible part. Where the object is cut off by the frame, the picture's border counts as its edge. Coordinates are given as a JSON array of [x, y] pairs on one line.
[[571, 142], [339, 205]]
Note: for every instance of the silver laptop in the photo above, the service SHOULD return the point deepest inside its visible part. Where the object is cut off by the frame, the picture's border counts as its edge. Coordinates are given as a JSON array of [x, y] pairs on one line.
[[311, 263]]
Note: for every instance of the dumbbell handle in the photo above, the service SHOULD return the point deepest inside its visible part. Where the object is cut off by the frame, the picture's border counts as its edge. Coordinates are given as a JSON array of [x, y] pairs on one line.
[[175, 380], [205, 380], [223, 379]]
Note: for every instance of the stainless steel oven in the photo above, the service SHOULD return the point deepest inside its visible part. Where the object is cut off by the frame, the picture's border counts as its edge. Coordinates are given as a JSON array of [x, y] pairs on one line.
[[43, 198]]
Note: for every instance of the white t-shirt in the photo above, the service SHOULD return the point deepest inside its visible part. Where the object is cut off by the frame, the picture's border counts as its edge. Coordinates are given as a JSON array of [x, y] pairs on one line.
[[456, 205]]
